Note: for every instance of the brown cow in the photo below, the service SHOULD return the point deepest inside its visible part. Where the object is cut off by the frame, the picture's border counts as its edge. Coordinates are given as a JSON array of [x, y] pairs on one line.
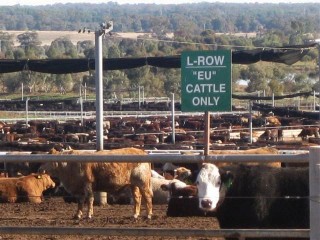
[[26, 188], [83, 179], [273, 134], [261, 150], [309, 131]]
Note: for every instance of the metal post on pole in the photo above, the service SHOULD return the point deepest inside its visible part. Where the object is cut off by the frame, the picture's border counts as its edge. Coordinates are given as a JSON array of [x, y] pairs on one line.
[[319, 76], [314, 101], [21, 91], [104, 28], [99, 89], [139, 96], [85, 91], [314, 178], [272, 99], [27, 111], [81, 110], [207, 134], [173, 120], [143, 94], [250, 120]]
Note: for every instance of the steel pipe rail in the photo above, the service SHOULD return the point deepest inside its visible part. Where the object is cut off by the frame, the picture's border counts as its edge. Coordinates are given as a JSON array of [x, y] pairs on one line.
[[155, 158], [235, 233]]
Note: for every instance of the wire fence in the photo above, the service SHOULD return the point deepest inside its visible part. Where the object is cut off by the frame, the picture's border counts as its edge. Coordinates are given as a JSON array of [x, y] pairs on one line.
[[312, 158]]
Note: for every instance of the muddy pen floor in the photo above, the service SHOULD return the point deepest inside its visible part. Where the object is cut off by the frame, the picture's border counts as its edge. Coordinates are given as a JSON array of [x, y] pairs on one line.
[[54, 212]]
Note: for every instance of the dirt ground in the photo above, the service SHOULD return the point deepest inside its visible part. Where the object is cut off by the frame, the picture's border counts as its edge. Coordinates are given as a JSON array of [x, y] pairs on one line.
[[54, 212]]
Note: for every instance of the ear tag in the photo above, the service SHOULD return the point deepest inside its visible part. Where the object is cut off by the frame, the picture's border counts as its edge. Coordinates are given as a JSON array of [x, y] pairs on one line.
[[229, 183]]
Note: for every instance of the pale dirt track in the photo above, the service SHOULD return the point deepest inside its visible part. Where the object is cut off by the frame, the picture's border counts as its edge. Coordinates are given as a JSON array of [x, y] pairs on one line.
[[54, 212]]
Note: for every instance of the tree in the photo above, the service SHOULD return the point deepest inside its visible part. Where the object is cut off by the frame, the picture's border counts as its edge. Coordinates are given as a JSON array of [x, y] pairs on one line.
[[29, 41], [172, 82], [257, 76], [84, 47], [11, 82], [62, 48], [276, 87], [6, 45], [64, 83]]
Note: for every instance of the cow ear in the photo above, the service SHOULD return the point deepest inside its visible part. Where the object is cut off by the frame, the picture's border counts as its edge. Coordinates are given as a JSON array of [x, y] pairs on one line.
[[19, 185], [164, 187], [227, 178]]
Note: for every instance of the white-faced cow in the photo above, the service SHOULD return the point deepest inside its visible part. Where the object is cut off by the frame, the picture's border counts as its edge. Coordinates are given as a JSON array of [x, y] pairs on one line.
[[83, 179]]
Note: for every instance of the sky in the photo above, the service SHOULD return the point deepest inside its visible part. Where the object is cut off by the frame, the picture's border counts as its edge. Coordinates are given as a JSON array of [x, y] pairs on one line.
[[45, 2]]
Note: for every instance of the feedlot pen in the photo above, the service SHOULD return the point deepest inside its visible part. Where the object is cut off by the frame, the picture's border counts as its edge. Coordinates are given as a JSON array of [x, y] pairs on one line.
[[52, 218]]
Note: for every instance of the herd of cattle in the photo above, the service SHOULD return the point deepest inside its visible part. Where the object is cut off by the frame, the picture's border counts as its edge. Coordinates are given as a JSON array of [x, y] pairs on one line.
[[155, 132]]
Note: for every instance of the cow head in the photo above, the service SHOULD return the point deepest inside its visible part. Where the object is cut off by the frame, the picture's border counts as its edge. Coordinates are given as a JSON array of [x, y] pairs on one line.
[[182, 173], [210, 188], [52, 168], [32, 186]]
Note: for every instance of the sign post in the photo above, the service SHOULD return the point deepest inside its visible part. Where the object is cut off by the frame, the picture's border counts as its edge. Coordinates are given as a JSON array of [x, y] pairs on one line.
[[206, 84]]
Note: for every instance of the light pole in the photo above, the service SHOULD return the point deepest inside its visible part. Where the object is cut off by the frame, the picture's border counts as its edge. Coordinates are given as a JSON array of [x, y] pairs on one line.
[[103, 29], [318, 41]]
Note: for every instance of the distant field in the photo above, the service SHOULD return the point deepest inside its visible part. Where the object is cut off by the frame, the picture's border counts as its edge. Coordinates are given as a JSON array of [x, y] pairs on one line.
[[46, 37]]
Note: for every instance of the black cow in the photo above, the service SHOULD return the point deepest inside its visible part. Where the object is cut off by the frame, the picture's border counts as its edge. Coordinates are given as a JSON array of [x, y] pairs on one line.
[[256, 196]]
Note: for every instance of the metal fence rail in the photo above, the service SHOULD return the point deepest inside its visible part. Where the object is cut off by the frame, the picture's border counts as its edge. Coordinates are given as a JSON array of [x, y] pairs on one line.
[[163, 232], [157, 158]]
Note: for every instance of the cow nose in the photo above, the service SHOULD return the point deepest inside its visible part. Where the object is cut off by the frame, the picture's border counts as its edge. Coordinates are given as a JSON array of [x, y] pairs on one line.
[[206, 203]]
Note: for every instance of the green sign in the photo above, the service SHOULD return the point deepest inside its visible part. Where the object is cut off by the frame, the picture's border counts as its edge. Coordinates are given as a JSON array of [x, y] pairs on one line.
[[206, 81]]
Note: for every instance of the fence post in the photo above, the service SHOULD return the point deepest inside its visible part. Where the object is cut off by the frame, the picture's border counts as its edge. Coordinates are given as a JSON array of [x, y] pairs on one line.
[[314, 185]]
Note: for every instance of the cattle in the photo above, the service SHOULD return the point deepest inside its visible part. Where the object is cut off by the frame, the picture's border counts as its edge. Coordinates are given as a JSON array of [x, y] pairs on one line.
[[245, 136], [273, 134], [26, 188], [247, 197], [160, 194], [261, 150], [309, 131], [172, 171], [183, 200], [83, 179], [273, 121]]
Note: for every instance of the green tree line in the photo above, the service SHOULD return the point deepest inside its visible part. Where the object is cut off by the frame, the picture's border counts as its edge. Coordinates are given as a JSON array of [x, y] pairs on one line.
[[195, 27]]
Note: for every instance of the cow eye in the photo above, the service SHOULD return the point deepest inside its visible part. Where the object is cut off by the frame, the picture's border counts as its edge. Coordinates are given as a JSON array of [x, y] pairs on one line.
[[218, 183]]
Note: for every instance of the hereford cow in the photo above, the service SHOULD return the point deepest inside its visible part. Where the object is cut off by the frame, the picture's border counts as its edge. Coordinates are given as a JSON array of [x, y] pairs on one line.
[[26, 188], [160, 194], [82, 179], [255, 196]]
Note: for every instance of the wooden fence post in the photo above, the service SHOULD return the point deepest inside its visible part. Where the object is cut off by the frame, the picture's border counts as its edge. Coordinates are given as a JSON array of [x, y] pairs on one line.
[[314, 185]]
